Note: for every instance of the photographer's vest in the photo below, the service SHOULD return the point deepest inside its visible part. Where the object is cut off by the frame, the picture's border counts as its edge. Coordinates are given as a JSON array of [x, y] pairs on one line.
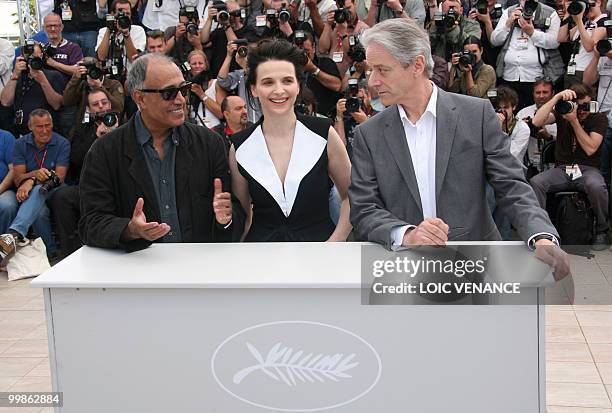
[[550, 59]]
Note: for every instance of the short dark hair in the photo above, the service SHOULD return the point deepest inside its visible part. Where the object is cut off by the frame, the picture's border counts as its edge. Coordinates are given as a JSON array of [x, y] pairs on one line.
[[473, 40], [224, 104], [273, 49], [156, 34], [508, 95], [544, 81], [95, 89], [582, 90], [116, 2]]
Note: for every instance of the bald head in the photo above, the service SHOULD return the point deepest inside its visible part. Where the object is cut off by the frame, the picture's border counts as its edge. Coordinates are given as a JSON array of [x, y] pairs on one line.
[[147, 65]]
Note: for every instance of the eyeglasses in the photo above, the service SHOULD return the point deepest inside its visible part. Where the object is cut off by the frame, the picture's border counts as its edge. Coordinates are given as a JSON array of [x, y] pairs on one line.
[[170, 93]]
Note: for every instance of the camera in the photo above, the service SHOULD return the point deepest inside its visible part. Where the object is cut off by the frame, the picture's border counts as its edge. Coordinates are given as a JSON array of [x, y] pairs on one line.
[[123, 20], [482, 6], [450, 17], [492, 96], [93, 71], [529, 9], [28, 48], [271, 16], [566, 106], [33, 62], [577, 6], [52, 182], [496, 13], [467, 58], [356, 50], [222, 13], [604, 45], [193, 21], [301, 108], [299, 38], [110, 23], [243, 47], [341, 15], [240, 13], [533, 130], [107, 118], [284, 14], [353, 103]]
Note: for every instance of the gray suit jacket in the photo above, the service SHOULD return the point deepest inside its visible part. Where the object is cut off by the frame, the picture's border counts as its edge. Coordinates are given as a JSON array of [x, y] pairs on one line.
[[471, 149]]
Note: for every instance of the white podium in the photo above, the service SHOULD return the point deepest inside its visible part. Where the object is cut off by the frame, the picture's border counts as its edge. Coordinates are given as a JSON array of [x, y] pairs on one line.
[[231, 328]]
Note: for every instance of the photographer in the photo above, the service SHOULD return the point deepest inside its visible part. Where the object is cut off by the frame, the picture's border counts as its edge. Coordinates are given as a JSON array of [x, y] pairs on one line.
[[450, 29], [156, 42], [229, 28], [183, 38], [90, 76], [468, 74], [65, 203], [587, 31], [120, 42], [381, 10], [235, 118], [278, 18], [202, 106], [159, 15], [322, 77], [334, 41], [487, 13], [352, 110], [40, 161], [234, 83], [515, 128], [32, 87], [81, 22], [312, 12], [528, 36], [577, 153]]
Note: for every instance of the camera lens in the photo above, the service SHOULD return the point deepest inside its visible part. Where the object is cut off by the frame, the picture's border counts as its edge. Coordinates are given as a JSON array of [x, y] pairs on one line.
[[109, 119], [482, 6], [576, 7], [36, 63], [95, 72], [223, 16], [564, 107], [243, 51], [603, 46]]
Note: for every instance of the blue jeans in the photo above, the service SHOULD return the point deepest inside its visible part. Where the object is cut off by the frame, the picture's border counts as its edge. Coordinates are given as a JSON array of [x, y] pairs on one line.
[[34, 213], [8, 209], [87, 41]]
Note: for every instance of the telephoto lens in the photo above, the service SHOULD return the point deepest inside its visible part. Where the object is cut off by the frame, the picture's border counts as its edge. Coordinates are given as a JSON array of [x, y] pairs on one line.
[[284, 15], [109, 119], [529, 9], [564, 107], [123, 20], [576, 7], [482, 6], [36, 63]]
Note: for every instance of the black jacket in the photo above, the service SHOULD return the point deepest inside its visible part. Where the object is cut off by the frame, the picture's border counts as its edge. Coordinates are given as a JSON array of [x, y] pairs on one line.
[[115, 175]]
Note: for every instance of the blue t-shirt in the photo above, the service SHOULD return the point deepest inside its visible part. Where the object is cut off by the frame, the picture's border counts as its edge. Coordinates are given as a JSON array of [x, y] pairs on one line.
[[7, 140], [55, 153]]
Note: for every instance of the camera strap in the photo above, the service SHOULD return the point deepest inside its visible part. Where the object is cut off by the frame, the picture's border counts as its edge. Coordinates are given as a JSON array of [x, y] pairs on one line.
[[40, 162]]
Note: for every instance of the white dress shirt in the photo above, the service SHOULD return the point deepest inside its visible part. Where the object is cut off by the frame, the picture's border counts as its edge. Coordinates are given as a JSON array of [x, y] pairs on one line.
[[421, 138], [167, 14], [521, 60], [139, 39]]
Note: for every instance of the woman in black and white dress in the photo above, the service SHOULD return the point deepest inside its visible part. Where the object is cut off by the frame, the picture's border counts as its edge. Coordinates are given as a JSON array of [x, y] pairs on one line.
[[283, 164]]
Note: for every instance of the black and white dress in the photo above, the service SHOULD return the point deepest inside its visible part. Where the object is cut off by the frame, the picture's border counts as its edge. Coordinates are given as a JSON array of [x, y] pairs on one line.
[[299, 210]]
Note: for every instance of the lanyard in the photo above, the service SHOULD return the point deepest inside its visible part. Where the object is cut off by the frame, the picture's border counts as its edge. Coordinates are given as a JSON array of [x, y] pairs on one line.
[[40, 163]]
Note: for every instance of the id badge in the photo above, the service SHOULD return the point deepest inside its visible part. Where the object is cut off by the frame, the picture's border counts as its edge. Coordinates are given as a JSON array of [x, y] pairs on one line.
[[338, 57], [571, 69], [114, 70], [260, 21], [577, 172], [18, 117], [66, 14], [86, 117], [522, 43]]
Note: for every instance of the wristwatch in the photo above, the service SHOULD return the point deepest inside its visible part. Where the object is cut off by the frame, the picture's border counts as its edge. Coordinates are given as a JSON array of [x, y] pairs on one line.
[[316, 72], [546, 236]]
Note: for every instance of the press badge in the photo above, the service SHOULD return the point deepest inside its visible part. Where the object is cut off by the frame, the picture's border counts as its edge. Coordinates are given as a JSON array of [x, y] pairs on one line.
[[86, 117], [260, 21], [66, 12], [571, 69], [573, 171], [338, 57], [522, 43]]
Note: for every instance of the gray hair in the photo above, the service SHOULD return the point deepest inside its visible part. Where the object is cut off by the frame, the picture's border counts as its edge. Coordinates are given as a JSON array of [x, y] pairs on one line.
[[40, 113], [138, 72], [403, 39]]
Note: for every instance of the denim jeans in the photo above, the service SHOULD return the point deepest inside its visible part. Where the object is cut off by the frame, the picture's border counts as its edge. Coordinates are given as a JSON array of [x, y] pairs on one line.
[[8, 209], [87, 41], [34, 213]]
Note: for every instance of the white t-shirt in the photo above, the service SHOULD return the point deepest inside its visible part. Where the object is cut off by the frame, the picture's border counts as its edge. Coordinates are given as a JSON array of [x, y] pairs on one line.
[[139, 38], [532, 148], [583, 58], [210, 120], [167, 14]]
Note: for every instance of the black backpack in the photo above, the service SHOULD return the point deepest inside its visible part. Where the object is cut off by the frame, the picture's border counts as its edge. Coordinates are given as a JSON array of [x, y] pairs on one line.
[[575, 221]]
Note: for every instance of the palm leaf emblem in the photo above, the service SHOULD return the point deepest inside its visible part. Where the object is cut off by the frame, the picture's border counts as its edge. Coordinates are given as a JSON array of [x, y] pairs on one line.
[[284, 364]]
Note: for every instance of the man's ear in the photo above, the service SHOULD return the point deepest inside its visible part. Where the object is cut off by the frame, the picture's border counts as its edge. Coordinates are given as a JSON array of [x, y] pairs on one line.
[[138, 96]]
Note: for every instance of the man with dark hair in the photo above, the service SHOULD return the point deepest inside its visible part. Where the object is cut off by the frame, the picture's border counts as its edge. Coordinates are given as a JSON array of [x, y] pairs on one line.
[[81, 84], [235, 118], [157, 178], [577, 153], [156, 42], [65, 202], [40, 159], [31, 89], [445, 39]]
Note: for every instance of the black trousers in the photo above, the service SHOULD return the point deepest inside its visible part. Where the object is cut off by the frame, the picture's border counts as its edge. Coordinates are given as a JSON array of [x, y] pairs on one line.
[[591, 183], [66, 214]]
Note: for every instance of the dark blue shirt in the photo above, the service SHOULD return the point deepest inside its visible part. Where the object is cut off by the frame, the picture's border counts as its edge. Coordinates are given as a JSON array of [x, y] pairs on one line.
[[55, 153], [7, 140]]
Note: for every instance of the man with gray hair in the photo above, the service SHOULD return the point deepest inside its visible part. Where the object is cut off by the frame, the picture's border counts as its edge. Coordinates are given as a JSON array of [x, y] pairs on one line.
[[157, 178], [443, 147]]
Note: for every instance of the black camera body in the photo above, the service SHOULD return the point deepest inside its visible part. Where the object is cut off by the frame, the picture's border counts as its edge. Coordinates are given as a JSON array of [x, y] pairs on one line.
[[603, 46], [32, 62], [578, 6], [243, 47], [107, 118], [51, 183], [271, 17], [299, 37], [222, 13], [467, 58], [533, 130], [193, 21], [123, 20], [482, 6], [353, 102], [301, 108], [93, 71], [496, 13], [450, 17], [284, 15], [341, 14], [529, 9], [356, 50], [566, 106]]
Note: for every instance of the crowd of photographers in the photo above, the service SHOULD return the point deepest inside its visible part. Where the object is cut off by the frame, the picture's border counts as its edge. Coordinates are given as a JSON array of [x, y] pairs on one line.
[[545, 66]]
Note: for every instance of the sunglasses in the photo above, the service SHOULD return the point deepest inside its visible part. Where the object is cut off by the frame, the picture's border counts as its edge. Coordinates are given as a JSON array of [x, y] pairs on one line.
[[170, 93]]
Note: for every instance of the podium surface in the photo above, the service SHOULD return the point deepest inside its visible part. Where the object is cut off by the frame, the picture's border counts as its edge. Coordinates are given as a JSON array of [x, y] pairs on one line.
[[229, 328]]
